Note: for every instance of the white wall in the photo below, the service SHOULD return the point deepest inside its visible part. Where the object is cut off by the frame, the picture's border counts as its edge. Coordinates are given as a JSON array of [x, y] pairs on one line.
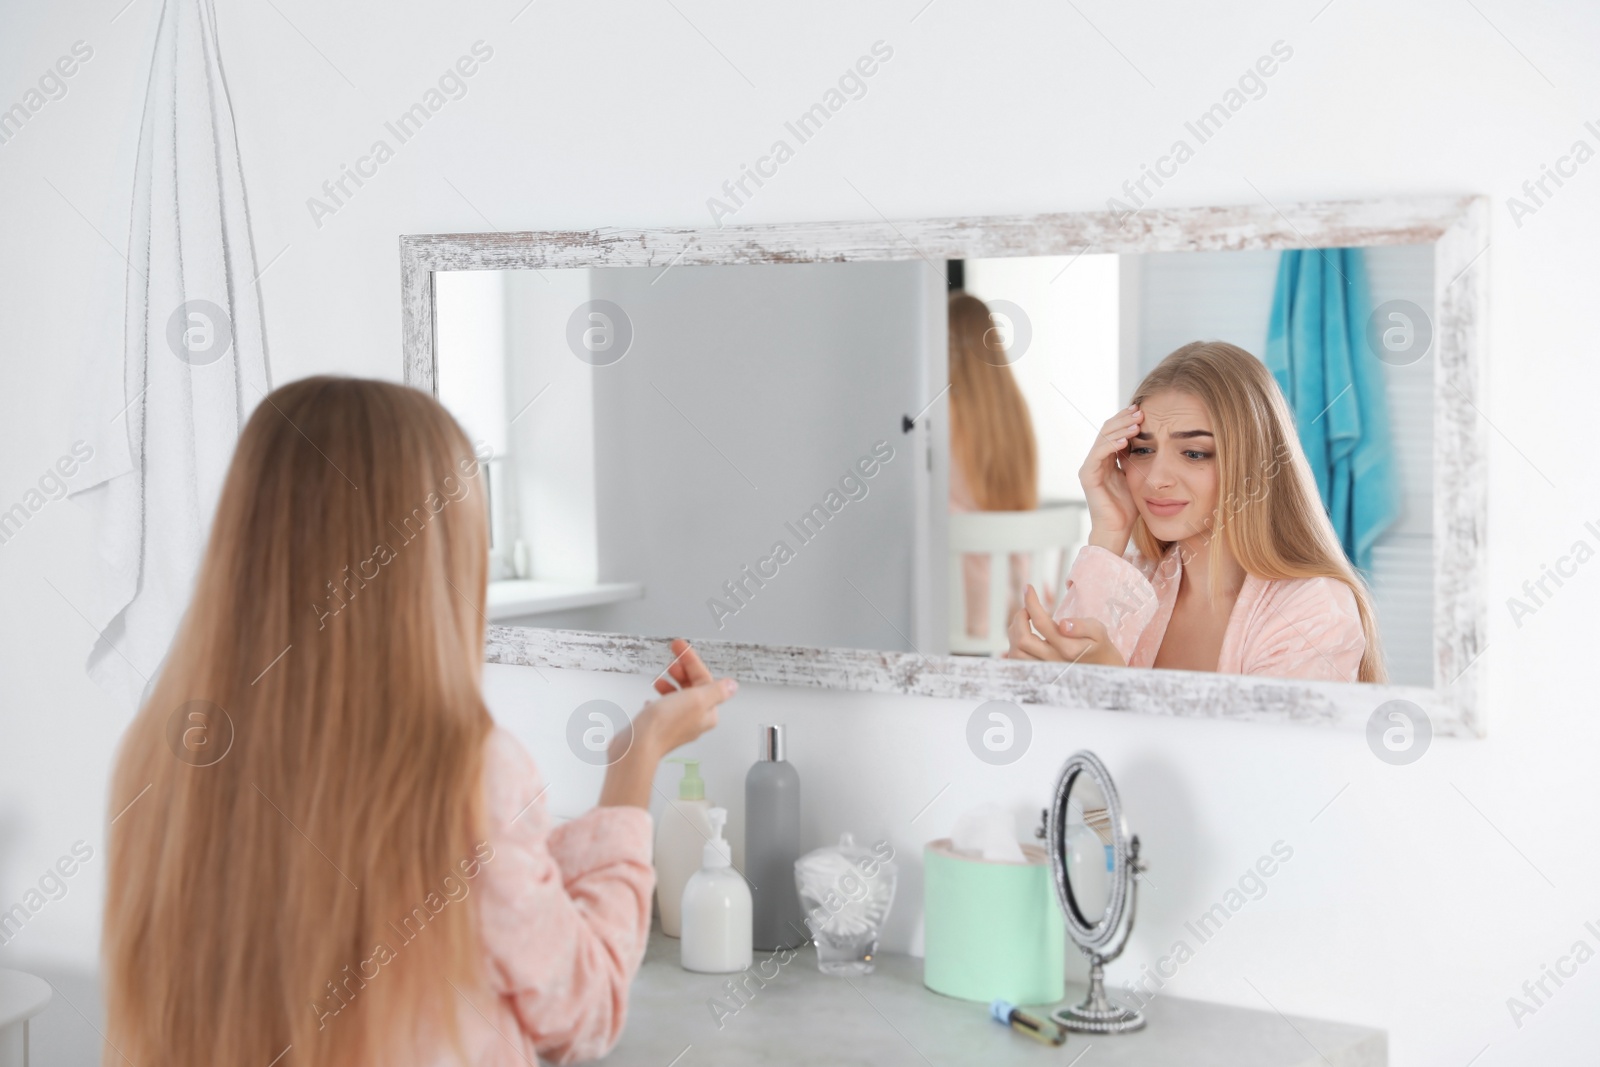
[[1418, 900]]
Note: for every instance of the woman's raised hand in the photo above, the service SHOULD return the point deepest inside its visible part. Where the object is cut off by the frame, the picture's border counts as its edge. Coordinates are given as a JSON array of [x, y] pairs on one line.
[[1035, 635], [689, 699], [687, 709], [1105, 486]]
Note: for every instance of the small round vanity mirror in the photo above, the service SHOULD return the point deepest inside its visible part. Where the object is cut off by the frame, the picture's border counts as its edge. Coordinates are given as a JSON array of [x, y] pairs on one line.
[[1090, 852], [1095, 861]]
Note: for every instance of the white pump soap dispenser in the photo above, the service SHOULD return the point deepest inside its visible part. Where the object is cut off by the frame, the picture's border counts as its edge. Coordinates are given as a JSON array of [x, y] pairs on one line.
[[716, 909]]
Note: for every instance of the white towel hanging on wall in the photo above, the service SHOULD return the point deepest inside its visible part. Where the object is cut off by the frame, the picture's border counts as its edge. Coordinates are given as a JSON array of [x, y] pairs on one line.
[[163, 413]]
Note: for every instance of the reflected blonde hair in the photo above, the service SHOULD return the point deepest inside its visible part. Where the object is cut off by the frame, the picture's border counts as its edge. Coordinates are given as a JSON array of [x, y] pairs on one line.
[[1269, 512], [337, 625], [991, 433]]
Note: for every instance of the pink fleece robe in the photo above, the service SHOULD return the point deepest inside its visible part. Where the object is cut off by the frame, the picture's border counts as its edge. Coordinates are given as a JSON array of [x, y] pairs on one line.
[[1290, 628], [564, 914]]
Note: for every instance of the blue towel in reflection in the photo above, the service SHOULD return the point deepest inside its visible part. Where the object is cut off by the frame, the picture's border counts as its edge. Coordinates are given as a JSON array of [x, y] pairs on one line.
[[1317, 350]]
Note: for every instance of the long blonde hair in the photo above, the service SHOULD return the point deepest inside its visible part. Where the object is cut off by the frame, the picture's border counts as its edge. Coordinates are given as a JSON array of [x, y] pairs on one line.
[[991, 434], [302, 784], [1268, 512]]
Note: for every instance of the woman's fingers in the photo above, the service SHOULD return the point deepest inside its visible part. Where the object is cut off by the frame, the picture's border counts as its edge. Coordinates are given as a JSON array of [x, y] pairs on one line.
[[677, 668], [1057, 649], [669, 680], [1019, 637], [1042, 621], [1025, 644], [1121, 427], [1030, 647], [1075, 648], [1088, 629], [1066, 638], [694, 668], [1071, 640], [686, 713], [1113, 438], [1088, 641], [1036, 611], [686, 669]]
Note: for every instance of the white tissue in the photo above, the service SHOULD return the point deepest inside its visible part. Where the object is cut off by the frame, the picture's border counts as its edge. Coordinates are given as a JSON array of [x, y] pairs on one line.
[[987, 831]]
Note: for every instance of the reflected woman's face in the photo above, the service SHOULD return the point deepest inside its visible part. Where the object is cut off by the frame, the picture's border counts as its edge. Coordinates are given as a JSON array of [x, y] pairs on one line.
[[1171, 466]]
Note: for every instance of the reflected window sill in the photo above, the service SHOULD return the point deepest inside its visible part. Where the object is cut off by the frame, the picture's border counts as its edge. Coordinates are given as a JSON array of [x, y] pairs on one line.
[[515, 598]]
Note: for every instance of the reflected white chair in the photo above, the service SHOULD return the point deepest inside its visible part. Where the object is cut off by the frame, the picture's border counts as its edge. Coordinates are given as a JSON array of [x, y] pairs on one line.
[[1048, 537], [22, 996]]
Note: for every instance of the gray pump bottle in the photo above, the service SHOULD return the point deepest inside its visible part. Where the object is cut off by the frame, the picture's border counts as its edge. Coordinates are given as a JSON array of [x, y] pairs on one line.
[[772, 844]]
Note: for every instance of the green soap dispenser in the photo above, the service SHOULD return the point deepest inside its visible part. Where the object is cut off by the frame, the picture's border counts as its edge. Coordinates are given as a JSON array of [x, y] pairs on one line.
[[681, 834]]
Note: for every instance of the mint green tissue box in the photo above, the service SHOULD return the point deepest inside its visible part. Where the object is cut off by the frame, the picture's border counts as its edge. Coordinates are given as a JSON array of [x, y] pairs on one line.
[[991, 930]]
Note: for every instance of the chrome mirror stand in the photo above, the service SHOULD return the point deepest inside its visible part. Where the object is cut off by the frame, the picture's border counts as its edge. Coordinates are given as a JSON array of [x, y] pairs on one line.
[[1098, 1013]]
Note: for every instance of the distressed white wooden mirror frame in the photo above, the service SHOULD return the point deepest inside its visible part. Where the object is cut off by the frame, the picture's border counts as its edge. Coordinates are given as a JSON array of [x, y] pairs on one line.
[[1456, 227]]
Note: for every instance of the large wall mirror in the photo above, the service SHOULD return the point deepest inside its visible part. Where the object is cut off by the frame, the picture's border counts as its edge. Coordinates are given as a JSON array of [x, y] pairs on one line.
[[742, 436]]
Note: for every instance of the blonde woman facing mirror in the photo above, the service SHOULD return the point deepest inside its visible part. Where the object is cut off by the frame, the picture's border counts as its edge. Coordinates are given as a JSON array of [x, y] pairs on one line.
[[1209, 549], [993, 457], [364, 814]]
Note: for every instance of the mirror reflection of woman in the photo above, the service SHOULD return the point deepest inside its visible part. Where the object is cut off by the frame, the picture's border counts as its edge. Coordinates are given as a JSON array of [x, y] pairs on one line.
[[1209, 549], [993, 456]]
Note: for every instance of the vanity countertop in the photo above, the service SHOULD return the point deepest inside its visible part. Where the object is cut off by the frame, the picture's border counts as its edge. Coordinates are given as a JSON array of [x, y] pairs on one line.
[[888, 1017]]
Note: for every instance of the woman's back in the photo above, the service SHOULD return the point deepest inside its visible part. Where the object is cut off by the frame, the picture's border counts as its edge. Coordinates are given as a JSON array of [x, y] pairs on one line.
[[335, 858], [332, 638]]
